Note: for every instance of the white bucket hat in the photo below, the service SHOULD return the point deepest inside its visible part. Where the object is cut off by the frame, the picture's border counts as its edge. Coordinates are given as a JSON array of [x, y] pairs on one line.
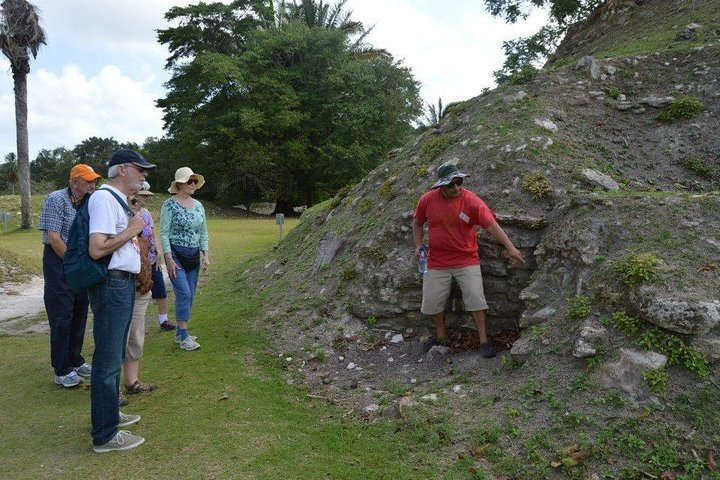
[[182, 175]]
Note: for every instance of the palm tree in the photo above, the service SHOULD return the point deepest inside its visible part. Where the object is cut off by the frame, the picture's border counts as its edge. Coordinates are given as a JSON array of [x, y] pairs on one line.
[[318, 14], [21, 35], [435, 114]]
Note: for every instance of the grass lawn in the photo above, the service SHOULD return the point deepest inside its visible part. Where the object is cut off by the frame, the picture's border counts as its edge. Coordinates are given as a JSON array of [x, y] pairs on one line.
[[223, 411]]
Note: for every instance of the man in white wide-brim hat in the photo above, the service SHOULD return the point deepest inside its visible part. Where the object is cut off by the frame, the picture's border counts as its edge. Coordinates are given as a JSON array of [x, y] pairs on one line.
[[453, 214]]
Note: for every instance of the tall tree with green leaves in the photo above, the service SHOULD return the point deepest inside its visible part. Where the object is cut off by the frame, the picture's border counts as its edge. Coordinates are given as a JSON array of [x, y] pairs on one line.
[[292, 116], [526, 53], [20, 36]]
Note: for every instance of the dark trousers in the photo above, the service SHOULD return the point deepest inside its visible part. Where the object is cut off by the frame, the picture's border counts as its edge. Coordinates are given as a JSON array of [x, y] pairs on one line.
[[67, 313]]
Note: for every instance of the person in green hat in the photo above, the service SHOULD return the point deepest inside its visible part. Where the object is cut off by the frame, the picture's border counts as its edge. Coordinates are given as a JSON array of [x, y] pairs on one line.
[[453, 214]]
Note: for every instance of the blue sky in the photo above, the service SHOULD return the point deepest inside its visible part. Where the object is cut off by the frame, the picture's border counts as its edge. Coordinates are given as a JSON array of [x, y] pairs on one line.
[[102, 69]]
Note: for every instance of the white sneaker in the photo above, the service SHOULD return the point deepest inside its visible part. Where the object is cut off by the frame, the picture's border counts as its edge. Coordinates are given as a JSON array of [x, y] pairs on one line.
[[189, 344], [70, 380], [84, 370], [177, 338], [123, 440]]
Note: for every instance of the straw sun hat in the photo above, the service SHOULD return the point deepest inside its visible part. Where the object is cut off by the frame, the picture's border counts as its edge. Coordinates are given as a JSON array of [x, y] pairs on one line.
[[182, 175]]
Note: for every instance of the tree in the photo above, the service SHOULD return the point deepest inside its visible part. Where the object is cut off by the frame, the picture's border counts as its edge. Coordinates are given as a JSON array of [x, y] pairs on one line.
[[524, 53], [292, 115], [20, 36], [53, 166], [434, 114], [9, 172], [96, 152]]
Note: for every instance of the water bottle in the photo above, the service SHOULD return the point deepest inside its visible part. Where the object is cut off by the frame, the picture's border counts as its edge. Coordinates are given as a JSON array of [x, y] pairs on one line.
[[422, 261]]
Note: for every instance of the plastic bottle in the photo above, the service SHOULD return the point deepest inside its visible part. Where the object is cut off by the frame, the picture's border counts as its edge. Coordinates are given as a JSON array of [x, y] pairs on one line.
[[422, 261]]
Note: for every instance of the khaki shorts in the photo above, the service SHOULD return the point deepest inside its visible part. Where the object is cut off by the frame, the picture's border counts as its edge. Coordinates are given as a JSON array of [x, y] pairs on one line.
[[136, 334], [436, 289]]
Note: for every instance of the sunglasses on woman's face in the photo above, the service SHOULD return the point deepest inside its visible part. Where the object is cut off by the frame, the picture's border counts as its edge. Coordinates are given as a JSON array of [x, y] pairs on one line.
[[192, 181]]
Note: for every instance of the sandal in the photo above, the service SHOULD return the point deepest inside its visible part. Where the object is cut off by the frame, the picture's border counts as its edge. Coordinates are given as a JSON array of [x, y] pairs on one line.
[[139, 387]]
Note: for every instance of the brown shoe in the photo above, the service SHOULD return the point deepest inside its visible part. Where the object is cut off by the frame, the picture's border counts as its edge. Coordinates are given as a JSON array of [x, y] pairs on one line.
[[123, 401], [139, 387]]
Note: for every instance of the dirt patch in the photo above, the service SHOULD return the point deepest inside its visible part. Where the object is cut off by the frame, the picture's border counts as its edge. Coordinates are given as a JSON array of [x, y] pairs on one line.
[[22, 307]]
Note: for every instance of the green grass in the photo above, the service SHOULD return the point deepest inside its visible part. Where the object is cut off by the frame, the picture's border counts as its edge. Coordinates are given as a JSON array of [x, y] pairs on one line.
[[224, 411]]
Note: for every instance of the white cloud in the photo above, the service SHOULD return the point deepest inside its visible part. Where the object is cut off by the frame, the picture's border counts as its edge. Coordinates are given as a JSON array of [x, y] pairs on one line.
[[67, 108], [102, 69]]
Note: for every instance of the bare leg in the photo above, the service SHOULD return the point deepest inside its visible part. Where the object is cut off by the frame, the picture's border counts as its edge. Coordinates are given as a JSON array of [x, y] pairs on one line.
[[479, 316], [130, 371], [440, 329], [162, 306]]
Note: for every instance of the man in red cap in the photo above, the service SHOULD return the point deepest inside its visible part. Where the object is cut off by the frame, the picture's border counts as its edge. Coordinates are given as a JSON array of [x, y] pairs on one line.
[[66, 310]]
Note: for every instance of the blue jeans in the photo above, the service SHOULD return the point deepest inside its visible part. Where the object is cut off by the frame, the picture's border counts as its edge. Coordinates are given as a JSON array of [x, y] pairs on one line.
[[67, 315], [112, 305], [184, 285]]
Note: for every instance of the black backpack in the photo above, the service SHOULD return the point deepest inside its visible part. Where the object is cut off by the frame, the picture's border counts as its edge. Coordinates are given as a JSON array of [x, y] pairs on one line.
[[81, 271]]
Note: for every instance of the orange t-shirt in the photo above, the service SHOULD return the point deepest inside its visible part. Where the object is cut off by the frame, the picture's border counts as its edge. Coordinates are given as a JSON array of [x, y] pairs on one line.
[[452, 227]]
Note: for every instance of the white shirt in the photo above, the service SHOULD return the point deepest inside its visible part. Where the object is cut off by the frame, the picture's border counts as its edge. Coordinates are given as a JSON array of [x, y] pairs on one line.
[[109, 217]]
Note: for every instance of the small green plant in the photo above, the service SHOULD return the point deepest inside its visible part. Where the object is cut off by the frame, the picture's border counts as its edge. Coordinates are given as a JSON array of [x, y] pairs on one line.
[[676, 350], [372, 320], [636, 268], [365, 205], [349, 272], [701, 169], [422, 170], [537, 184], [578, 307], [696, 362], [627, 324], [376, 253], [656, 380], [681, 108], [386, 190], [436, 145], [613, 92]]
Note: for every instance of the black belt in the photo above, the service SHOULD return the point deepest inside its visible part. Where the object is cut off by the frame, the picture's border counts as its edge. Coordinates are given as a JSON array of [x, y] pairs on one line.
[[122, 274]]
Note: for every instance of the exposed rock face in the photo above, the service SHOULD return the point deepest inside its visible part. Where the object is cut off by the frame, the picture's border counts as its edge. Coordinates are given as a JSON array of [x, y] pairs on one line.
[[682, 316], [618, 181], [626, 373]]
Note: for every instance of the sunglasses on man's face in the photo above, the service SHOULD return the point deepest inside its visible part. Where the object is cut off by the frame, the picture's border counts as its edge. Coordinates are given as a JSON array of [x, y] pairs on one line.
[[192, 181], [455, 183]]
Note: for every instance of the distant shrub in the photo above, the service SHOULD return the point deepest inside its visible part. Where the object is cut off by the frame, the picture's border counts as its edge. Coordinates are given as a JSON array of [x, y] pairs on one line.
[[701, 168], [681, 108], [434, 146], [537, 184], [349, 272], [422, 170], [524, 75], [637, 268], [578, 307]]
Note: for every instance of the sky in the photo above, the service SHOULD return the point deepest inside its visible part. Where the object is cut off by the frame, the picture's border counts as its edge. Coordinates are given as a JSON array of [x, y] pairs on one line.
[[102, 68]]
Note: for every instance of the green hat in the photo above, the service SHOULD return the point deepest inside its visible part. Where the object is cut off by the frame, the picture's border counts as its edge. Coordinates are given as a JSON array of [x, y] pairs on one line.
[[446, 172]]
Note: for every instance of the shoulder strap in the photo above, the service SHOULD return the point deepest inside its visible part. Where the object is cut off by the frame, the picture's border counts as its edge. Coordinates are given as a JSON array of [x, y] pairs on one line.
[[117, 197]]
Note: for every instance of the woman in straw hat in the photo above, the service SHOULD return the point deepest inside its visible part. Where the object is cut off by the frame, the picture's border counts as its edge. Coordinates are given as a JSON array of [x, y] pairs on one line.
[[184, 239]]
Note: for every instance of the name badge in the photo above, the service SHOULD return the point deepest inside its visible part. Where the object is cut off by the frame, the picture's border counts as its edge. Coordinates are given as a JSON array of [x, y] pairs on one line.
[[464, 217]]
